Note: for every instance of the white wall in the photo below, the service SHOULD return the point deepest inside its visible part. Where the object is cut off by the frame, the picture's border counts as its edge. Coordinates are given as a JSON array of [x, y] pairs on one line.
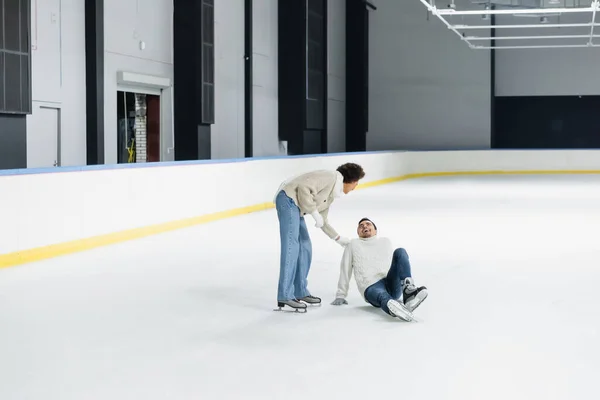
[[265, 118], [90, 203], [336, 76], [127, 22], [58, 79], [427, 89], [86, 203], [546, 72]]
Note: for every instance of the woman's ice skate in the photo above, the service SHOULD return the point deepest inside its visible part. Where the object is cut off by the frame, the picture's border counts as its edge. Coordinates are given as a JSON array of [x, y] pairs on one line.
[[310, 300], [291, 306]]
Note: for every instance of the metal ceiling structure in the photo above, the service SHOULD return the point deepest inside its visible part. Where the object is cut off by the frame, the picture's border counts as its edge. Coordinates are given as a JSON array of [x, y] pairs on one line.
[[542, 10]]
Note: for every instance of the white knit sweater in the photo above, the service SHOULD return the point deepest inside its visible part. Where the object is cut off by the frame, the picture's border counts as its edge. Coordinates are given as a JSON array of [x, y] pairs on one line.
[[369, 259]]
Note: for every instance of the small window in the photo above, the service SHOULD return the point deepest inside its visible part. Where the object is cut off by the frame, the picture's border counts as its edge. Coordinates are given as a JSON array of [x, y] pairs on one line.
[[208, 62], [15, 57]]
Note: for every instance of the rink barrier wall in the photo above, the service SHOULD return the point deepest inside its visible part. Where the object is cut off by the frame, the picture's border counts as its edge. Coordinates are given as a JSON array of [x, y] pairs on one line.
[[54, 212]]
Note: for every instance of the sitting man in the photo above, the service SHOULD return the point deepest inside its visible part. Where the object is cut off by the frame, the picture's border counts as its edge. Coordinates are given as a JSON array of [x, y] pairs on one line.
[[382, 274]]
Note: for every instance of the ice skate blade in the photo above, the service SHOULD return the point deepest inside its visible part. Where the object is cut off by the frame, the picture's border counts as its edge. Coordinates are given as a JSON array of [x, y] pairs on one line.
[[291, 310], [311, 305]]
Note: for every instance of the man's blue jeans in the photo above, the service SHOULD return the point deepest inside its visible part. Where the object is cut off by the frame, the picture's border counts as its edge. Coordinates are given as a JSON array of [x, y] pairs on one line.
[[390, 287], [296, 250]]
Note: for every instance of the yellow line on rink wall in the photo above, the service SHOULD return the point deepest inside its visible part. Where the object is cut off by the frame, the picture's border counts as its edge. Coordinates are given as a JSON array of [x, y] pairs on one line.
[[78, 245], [74, 246]]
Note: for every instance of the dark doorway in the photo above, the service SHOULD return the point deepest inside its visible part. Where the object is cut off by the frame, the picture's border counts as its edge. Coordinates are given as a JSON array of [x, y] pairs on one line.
[[548, 122], [138, 127], [153, 128]]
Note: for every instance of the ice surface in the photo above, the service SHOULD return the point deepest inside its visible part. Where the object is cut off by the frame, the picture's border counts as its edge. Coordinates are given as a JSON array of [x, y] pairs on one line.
[[511, 263]]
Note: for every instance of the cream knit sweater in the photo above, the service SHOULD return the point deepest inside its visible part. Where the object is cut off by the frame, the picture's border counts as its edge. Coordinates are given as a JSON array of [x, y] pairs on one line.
[[369, 259], [315, 191]]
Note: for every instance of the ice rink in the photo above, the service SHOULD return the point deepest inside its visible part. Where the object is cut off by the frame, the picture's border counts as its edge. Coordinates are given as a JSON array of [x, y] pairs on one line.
[[512, 264]]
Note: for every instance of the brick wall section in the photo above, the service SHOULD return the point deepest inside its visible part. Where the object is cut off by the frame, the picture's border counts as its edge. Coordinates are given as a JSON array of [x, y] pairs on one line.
[[140, 127]]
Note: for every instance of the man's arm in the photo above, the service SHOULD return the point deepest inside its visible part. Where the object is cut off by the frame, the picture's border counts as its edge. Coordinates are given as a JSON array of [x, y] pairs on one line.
[[345, 275]]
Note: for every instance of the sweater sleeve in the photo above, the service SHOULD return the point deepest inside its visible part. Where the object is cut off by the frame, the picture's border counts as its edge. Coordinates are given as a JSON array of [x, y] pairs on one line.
[[345, 273], [327, 228]]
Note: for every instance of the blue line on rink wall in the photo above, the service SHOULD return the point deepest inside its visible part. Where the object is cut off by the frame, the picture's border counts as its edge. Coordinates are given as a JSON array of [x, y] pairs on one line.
[[82, 168], [54, 170]]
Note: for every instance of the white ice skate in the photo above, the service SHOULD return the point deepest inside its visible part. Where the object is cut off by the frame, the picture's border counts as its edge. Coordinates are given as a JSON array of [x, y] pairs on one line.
[[413, 296], [291, 306], [398, 309], [311, 301]]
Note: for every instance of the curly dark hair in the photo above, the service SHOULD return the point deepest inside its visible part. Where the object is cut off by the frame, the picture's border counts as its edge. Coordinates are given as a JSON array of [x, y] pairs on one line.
[[351, 172]]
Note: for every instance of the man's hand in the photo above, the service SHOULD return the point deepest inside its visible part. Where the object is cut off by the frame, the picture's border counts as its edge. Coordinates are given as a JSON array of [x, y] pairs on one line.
[[339, 302], [342, 241]]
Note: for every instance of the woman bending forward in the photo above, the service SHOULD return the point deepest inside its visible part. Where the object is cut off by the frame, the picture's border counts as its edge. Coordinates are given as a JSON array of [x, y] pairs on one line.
[[308, 194]]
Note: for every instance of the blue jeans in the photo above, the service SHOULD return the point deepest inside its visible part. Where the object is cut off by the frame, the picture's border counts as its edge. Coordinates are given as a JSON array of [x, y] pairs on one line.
[[390, 287], [296, 250]]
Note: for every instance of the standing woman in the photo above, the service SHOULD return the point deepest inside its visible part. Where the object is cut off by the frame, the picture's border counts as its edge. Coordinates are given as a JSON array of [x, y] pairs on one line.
[[311, 193]]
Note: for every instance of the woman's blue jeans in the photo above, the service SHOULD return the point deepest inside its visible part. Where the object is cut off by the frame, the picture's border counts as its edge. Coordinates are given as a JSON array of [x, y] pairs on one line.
[[296, 250]]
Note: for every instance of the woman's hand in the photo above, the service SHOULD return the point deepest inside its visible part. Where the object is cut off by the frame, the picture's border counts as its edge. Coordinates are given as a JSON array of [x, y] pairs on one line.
[[318, 219]]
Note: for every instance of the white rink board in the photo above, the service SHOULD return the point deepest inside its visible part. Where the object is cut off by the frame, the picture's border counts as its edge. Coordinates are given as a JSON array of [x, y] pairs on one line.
[[39, 207]]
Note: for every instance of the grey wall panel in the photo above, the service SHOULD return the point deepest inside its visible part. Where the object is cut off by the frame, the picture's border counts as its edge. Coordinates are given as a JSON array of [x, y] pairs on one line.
[[58, 74], [129, 22], [336, 76], [547, 72], [13, 141], [227, 134], [427, 89], [265, 83], [94, 82], [73, 103]]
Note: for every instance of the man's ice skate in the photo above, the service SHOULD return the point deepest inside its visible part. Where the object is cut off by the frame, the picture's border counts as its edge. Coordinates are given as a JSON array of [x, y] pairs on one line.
[[291, 306], [413, 296], [310, 300], [399, 310]]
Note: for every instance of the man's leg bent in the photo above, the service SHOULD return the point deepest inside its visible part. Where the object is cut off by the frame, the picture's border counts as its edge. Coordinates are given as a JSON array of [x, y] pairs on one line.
[[399, 271], [378, 296], [400, 283]]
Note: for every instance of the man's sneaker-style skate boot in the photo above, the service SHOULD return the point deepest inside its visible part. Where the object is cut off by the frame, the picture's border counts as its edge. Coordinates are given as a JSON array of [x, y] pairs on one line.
[[291, 305], [413, 296], [311, 300], [398, 309]]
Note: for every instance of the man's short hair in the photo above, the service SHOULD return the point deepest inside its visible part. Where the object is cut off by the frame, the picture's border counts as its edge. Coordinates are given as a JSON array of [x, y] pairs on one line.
[[367, 219]]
